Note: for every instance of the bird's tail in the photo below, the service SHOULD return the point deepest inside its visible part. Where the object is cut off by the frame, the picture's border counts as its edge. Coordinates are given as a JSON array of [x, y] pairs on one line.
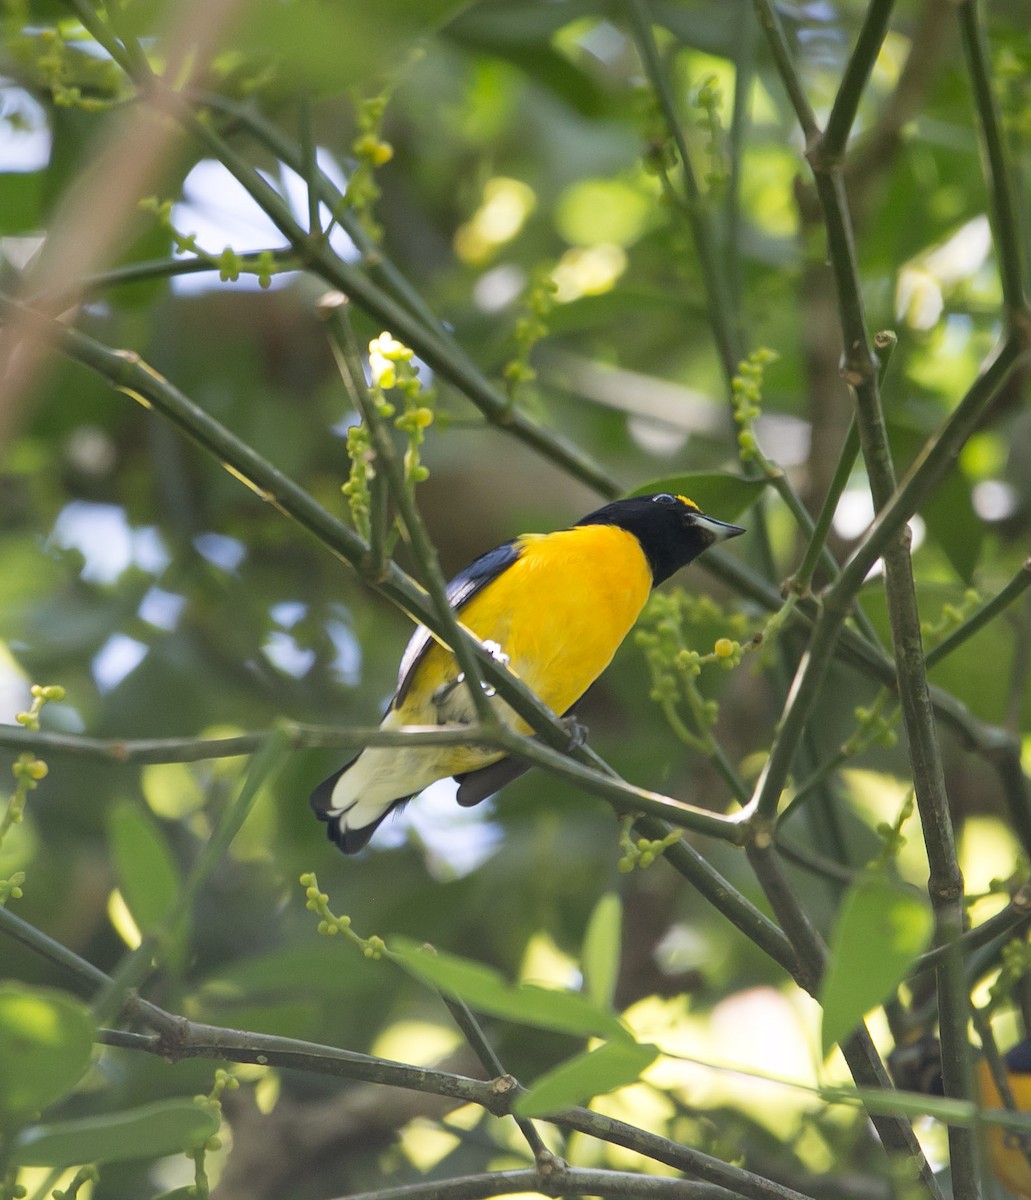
[[350, 819]]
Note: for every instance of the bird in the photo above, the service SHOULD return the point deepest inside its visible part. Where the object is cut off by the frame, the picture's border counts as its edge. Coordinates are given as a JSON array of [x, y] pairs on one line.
[[916, 1065], [553, 608], [1007, 1148]]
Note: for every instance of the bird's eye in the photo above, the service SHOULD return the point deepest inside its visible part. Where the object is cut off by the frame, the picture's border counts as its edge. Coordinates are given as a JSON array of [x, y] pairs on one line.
[[664, 498]]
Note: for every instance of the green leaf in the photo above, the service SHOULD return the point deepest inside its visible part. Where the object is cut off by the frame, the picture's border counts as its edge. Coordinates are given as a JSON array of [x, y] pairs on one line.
[[881, 930], [147, 873], [46, 1039], [593, 1073], [487, 991], [913, 1104], [717, 493], [150, 1131], [601, 950]]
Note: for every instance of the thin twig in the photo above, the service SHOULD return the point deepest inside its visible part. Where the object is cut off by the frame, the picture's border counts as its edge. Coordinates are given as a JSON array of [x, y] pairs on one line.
[[1007, 232], [723, 896], [784, 59], [984, 614], [198, 749], [722, 319], [854, 81], [250, 263], [473, 1033], [884, 344], [559, 1180], [682, 1157], [333, 310], [936, 459], [860, 1054], [805, 689]]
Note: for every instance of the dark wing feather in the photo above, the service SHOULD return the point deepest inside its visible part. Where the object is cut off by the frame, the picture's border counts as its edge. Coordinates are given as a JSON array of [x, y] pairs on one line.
[[349, 840], [460, 591], [321, 800], [476, 786]]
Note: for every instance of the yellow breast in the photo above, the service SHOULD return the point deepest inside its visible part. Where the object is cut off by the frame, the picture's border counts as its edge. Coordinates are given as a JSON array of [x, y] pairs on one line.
[[559, 612], [1004, 1145]]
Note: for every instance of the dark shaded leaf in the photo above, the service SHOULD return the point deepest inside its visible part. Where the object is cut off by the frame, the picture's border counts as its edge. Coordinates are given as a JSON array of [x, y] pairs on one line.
[[151, 1131]]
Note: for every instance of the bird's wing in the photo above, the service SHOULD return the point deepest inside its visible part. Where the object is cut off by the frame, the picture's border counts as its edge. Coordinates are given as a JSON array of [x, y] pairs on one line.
[[476, 786], [460, 591]]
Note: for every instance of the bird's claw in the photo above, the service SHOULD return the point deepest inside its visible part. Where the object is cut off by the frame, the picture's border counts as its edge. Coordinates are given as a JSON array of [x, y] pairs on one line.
[[498, 654], [577, 732], [442, 693]]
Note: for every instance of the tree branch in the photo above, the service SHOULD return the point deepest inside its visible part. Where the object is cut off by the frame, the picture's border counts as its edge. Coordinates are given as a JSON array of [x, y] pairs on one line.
[[854, 81], [559, 1180], [784, 60]]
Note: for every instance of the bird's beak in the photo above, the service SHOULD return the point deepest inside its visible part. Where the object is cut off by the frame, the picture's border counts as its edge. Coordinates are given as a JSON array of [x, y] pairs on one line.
[[718, 531]]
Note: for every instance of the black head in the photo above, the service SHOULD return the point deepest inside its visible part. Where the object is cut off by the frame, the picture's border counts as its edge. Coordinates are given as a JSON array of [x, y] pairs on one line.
[[672, 530]]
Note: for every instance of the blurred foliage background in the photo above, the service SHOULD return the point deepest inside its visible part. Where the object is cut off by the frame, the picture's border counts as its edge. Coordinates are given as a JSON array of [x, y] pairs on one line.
[[169, 601]]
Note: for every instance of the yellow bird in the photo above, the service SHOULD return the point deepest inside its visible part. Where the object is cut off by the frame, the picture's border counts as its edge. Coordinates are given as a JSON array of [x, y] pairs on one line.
[[553, 608], [1007, 1148]]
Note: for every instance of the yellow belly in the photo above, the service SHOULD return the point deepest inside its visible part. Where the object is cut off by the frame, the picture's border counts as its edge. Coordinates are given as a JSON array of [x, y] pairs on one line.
[[559, 612], [1004, 1146]]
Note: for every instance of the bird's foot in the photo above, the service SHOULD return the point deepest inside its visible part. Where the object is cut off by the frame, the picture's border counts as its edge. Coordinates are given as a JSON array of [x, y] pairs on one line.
[[577, 732], [443, 693], [498, 654]]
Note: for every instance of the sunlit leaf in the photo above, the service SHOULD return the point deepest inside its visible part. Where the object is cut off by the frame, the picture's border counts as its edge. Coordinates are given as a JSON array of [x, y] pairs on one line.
[[46, 1039], [601, 949], [147, 873], [487, 991], [593, 1073], [881, 929]]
